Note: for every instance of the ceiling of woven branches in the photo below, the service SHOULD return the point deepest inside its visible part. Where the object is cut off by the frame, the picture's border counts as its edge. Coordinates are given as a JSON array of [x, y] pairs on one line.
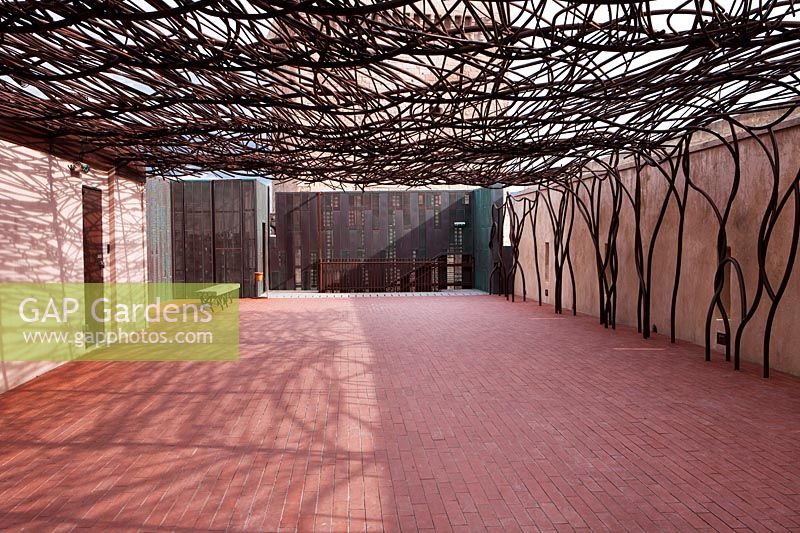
[[395, 91]]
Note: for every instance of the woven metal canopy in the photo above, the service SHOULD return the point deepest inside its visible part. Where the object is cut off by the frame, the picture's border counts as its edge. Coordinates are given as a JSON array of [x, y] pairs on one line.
[[409, 92]]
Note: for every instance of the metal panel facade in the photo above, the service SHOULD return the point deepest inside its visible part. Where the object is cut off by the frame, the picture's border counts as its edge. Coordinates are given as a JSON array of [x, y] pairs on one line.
[[198, 210], [218, 228], [481, 207], [386, 225]]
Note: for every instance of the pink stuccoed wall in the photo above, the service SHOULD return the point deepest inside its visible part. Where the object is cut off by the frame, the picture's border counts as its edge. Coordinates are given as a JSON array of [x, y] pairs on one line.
[[41, 229], [712, 169]]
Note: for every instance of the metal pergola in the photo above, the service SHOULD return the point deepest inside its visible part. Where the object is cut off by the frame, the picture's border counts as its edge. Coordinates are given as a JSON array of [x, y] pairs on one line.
[[396, 91], [553, 93]]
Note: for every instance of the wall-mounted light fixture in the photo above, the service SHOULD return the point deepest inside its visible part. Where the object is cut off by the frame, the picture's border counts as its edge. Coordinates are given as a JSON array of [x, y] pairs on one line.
[[83, 167]]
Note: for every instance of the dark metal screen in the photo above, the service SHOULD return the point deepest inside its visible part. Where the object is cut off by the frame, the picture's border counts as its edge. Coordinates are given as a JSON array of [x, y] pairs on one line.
[[385, 226], [217, 232]]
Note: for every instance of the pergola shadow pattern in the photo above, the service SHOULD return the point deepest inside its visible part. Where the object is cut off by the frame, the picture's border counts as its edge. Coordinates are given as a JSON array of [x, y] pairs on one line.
[[555, 94], [403, 414]]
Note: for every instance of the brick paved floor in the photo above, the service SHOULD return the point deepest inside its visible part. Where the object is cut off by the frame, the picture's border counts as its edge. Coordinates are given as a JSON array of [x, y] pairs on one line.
[[407, 413]]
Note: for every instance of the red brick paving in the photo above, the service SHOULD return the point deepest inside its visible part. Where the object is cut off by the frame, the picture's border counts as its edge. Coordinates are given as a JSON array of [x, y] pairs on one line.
[[407, 414]]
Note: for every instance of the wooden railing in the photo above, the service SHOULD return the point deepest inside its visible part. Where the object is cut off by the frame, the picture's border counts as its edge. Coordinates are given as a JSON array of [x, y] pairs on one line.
[[396, 275]]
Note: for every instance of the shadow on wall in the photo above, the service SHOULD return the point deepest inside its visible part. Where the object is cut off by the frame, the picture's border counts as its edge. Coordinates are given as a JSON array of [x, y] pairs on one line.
[[41, 230], [127, 231], [40, 218], [701, 241]]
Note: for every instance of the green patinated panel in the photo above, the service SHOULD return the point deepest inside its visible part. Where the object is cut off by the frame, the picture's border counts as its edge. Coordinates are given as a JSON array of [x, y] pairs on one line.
[[482, 200], [262, 232]]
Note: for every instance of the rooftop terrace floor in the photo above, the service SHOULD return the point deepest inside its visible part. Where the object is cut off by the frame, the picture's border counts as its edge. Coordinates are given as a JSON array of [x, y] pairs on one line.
[[407, 414]]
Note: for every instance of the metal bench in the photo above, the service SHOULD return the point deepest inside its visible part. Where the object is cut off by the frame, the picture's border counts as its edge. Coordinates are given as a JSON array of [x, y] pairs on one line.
[[220, 295]]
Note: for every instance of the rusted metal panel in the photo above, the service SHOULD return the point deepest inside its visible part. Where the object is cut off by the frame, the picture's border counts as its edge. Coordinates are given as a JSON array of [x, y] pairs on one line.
[[178, 233], [217, 232], [387, 225], [227, 230], [199, 240]]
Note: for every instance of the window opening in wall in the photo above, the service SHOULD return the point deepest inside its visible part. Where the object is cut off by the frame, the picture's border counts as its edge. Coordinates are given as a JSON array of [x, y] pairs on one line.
[[392, 250], [328, 236], [458, 239], [314, 271]]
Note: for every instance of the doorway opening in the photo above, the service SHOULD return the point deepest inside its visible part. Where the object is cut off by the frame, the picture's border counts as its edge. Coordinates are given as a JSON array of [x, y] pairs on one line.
[[93, 263]]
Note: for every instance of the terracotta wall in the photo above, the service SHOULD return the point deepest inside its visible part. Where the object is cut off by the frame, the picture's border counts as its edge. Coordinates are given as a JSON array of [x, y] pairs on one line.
[[711, 169], [41, 229]]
